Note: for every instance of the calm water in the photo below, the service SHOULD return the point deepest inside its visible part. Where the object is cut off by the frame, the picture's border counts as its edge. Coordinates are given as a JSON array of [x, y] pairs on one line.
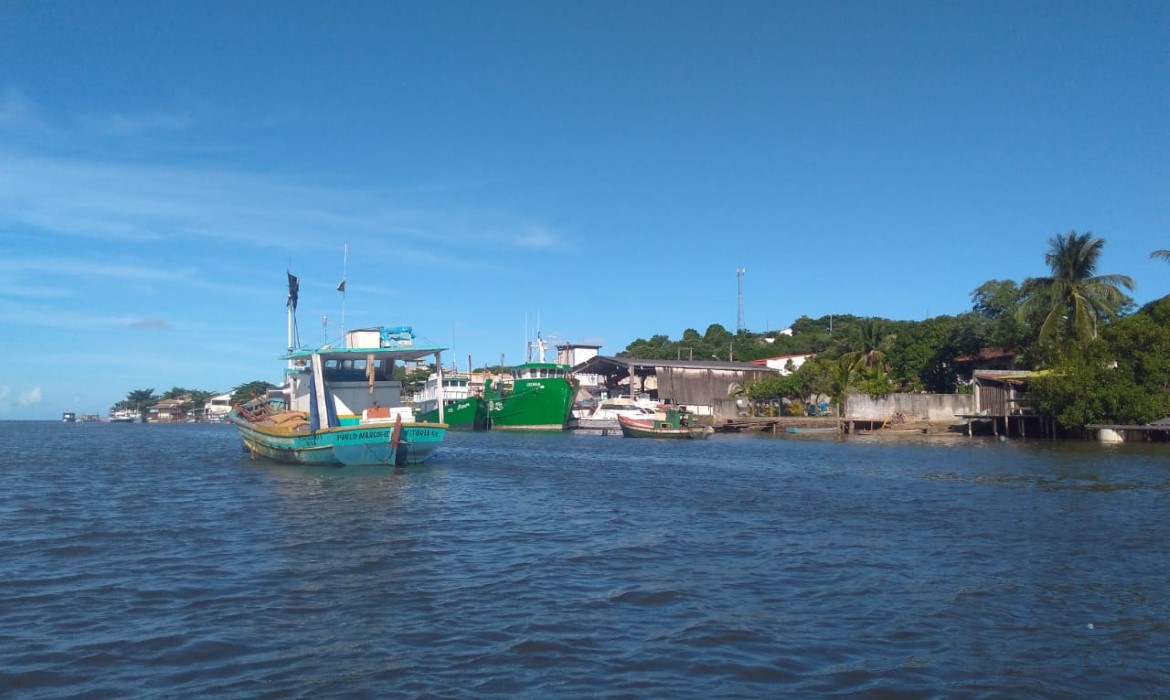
[[159, 561]]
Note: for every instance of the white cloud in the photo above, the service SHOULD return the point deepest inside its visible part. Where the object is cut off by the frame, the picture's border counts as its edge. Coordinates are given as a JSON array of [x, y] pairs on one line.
[[537, 238], [18, 112], [136, 125], [31, 397], [111, 201]]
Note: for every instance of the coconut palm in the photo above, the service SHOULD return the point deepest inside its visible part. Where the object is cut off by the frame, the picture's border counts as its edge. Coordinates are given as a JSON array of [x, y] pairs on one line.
[[867, 343], [1073, 299], [1161, 255]]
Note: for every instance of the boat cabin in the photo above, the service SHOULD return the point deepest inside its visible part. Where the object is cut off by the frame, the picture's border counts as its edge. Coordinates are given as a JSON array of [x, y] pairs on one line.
[[539, 370], [340, 385]]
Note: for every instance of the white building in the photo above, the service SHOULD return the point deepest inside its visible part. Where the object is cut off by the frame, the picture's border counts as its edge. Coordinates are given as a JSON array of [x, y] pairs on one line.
[[573, 354], [781, 363], [217, 408]]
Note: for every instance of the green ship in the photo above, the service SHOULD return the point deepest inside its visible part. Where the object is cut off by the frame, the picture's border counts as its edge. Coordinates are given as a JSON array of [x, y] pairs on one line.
[[462, 410], [539, 396]]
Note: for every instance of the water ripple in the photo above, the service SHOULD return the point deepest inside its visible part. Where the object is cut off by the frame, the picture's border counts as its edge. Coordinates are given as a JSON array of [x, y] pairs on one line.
[[158, 561]]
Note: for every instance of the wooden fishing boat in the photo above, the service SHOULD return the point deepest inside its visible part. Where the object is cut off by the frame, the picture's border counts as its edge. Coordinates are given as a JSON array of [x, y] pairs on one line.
[[812, 431], [674, 423], [342, 406]]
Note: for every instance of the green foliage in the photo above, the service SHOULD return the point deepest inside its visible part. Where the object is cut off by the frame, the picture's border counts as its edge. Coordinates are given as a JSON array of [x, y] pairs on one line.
[[873, 381], [1122, 378], [246, 392], [719, 344], [1110, 365], [794, 387], [194, 398], [414, 380], [865, 343], [997, 304], [1073, 300], [137, 399]]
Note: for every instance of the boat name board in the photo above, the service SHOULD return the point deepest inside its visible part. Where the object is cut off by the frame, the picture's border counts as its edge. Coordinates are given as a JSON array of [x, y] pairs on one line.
[[425, 433], [364, 435]]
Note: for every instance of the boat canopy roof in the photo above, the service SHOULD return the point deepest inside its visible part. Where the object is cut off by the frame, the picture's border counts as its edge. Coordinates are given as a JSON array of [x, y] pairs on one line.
[[416, 352]]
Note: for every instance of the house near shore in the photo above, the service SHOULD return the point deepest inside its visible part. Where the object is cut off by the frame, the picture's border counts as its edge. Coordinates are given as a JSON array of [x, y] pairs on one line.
[[706, 388], [169, 410], [784, 364], [217, 408]]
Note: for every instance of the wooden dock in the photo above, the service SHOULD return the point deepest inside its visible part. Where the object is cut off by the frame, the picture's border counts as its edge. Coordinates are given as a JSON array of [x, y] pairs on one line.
[[776, 424]]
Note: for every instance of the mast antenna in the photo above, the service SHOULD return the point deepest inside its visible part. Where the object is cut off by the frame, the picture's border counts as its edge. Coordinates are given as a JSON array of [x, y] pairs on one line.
[[341, 287], [740, 326]]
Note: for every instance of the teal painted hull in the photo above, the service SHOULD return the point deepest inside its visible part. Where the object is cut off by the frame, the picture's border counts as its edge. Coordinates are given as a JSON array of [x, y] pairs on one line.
[[361, 445]]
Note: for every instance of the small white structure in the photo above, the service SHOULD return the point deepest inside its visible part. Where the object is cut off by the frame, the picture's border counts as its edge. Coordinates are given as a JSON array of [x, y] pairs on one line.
[[217, 408], [780, 363], [573, 354]]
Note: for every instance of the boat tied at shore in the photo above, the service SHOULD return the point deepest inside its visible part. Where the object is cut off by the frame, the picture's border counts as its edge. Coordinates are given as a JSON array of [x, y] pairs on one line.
[[674, 423]]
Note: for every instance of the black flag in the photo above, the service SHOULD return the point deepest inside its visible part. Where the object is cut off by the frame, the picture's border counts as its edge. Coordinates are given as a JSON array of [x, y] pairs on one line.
[[341, 287], [294, 286]]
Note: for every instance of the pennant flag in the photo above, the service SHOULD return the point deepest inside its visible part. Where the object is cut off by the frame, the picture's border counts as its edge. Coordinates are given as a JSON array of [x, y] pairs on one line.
[[341, 287], [294, 286]]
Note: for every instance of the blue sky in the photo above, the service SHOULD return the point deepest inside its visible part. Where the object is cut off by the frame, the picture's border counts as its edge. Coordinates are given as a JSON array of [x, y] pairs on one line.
[[602, 166]]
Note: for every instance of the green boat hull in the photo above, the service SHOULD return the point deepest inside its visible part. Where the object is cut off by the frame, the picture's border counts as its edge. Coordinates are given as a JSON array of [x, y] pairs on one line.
[[461, 414], [532, 404]]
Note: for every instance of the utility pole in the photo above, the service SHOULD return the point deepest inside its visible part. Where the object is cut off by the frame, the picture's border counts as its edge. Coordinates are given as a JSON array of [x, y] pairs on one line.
[[740, 326]]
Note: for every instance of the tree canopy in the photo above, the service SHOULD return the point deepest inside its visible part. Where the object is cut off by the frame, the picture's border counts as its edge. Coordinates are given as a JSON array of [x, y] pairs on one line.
[[1106, 362]]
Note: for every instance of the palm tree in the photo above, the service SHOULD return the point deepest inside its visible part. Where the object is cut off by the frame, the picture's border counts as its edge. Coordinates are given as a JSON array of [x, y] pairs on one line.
[[1161, 255], [867, 343], [1073, 299]]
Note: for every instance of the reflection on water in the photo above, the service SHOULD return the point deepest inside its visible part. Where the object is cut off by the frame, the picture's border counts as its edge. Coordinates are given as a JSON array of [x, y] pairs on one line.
[[147, 557]]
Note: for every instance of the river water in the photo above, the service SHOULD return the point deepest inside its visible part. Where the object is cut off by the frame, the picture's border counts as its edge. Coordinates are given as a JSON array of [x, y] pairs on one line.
[[160, 561]]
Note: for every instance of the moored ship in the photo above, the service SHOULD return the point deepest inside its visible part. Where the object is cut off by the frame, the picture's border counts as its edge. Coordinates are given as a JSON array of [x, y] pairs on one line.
[[535, 396]]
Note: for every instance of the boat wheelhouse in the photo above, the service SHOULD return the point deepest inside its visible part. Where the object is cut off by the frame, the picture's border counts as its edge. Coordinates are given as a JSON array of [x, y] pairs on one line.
[[464, 409]]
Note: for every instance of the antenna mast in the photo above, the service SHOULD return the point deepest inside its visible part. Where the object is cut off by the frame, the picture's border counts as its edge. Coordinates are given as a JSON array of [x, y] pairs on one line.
[[341, 287], [740, 326]]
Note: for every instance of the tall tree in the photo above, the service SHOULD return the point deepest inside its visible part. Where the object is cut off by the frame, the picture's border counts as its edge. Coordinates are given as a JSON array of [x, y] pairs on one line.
[[1074, 298], [250, 390], [1161, 255], [867, 343]]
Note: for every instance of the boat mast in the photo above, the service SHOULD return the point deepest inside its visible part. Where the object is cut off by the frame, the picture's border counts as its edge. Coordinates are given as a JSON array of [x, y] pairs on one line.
[[439, 378], [294, 286], [341, 287]]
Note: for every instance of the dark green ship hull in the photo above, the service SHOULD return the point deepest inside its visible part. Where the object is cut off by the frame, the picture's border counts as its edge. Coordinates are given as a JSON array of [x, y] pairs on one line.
[[461, 414]]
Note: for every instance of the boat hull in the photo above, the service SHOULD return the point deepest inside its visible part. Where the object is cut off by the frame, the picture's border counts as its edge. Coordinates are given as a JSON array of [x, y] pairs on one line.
[[533, 404], [647, 429], [462, 414], [359, 445]]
